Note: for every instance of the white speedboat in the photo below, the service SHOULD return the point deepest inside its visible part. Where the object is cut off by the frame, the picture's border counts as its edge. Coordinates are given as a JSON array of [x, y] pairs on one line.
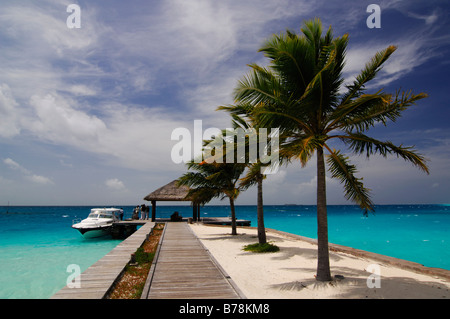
[[98, 223]]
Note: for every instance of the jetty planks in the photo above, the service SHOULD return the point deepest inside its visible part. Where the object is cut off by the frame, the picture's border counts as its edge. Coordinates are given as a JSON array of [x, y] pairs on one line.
[[184, 269], [96, 281]]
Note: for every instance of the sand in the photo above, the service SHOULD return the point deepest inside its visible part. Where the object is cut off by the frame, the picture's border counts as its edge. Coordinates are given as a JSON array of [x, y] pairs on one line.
[[289, 273]]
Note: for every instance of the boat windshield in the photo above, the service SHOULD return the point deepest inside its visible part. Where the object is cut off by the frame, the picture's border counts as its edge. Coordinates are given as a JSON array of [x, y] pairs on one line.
[[103, 214]]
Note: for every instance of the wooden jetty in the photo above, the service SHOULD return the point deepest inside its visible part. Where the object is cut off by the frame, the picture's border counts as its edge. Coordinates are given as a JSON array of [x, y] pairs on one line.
[[184, 269], [124, 228], [96, 281], [224, 221]]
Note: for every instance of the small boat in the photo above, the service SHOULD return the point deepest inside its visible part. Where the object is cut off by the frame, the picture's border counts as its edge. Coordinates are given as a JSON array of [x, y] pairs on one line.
[[98, 223]]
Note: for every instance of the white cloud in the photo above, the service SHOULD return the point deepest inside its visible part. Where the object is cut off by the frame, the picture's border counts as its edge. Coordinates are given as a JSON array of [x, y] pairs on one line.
[[43, 55], [14, 165], [206, 27], [65, 164], [82, 90], [60, 122], [130, 136], [138, 138], [410, 53], [189, 40], [39, 179], [44, 27], [10, 113], [27, 173], [429, 19], [276, 179], [115, 184]]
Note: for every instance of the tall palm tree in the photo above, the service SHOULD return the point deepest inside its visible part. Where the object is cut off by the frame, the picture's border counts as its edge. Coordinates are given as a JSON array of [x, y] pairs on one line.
[[302, 93], [212, 180]]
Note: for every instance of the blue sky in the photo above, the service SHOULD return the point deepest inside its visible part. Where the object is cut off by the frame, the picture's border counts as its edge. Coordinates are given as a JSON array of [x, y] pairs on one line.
[[86, 115]]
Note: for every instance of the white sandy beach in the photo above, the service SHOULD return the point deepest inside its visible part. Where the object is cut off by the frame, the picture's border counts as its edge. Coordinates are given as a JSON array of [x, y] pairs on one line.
[[290, 272]]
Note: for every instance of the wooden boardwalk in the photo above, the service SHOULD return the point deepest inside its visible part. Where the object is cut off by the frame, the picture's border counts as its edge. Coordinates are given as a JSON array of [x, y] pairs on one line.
[[96, 281], [224, 221], [184, 269]]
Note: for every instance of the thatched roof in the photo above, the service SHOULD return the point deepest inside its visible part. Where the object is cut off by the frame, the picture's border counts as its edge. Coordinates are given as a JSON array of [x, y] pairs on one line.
[[169, 192]]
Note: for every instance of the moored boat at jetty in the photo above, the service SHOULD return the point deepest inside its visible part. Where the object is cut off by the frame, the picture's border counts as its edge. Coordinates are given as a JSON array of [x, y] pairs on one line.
[[99, 222]]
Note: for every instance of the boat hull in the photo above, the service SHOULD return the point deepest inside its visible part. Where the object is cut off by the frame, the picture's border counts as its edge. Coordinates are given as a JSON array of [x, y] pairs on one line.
[[94, 232]]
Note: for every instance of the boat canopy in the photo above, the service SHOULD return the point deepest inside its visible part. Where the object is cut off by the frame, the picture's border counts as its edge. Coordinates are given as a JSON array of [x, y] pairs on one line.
[[104, 212]]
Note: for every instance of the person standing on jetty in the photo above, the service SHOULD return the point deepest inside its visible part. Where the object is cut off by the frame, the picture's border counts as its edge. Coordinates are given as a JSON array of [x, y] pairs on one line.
[[144, 212], [135, 213]]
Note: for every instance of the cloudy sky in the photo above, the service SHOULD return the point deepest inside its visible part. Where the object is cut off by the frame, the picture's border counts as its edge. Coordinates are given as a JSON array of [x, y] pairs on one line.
[[86, 114]]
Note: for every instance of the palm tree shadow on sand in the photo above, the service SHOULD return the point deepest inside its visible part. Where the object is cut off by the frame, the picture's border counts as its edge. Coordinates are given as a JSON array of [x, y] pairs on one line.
[[353, 285]]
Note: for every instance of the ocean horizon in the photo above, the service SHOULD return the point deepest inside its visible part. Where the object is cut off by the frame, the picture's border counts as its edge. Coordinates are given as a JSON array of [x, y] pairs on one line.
[[37, 243]]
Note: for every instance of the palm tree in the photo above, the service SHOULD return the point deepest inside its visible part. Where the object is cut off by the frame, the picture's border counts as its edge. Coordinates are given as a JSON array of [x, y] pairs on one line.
[[302, 93], [212, 180], [242, 118]]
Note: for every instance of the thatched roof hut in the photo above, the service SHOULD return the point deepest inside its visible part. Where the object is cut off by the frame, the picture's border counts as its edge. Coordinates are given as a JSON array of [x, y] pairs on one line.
[[171, 192]]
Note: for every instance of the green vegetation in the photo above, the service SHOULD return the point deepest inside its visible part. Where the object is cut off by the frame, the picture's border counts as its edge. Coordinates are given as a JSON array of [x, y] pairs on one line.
[[262, 248], [211, 180], [143, 257]]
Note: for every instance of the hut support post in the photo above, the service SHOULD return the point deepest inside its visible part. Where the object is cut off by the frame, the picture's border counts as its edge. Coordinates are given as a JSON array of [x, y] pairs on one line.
[[194, 212], [153, 210]]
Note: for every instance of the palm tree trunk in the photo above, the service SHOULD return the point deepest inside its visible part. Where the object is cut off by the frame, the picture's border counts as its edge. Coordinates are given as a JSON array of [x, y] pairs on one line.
[[260, 212], [233, 217], [323, 259]]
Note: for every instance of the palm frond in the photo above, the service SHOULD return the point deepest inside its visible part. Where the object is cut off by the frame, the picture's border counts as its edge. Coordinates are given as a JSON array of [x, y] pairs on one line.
[[367, 74], [268, 118], [360, 143], [342, 170], [258, 86], [360, 113], [300, 146], [252, 176], [193, 179], [241, 115], [312, 30], [370, 109], [203, 195], [325, 85]]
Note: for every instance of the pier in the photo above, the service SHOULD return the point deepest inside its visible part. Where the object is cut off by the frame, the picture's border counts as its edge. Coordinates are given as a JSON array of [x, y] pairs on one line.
[[123, 229], [182, 268], [224, 221]]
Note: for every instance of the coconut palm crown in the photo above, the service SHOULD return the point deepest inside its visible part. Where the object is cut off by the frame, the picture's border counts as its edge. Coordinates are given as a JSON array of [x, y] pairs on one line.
[[210, 179], [302, 93]]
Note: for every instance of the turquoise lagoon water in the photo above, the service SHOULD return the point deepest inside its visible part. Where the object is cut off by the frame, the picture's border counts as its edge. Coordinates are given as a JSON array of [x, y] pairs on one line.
[[37, 243]]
